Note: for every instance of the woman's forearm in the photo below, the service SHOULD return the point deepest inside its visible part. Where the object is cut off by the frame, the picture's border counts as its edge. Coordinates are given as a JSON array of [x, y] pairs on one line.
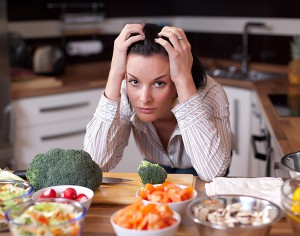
[[106, 136], [206, 132]]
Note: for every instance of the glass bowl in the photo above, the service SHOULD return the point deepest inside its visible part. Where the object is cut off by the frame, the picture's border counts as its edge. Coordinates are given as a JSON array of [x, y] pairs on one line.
[[48, 216], [291, 203], [12, 192]]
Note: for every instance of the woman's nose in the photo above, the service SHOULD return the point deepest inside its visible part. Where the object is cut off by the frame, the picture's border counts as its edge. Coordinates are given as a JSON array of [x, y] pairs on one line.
[[145, 96]]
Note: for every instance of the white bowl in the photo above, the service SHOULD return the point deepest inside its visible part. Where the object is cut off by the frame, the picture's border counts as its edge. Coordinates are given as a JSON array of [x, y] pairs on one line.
[[167, 231], [60, 188], [179, 207]]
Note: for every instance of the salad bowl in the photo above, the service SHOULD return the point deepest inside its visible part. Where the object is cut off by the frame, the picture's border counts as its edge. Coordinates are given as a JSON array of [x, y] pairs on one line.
[[12, 192], [46, 217]]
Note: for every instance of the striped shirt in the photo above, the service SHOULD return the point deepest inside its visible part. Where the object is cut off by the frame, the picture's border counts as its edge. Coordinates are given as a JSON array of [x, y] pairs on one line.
[[201, 138]]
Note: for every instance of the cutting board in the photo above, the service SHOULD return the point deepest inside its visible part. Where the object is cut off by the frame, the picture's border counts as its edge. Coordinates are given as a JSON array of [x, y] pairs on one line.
[[124, 193]]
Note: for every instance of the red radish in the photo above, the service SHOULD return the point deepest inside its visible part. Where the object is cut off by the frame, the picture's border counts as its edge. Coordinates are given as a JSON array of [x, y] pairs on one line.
[[81, 197], [49, 193], [69, 193]]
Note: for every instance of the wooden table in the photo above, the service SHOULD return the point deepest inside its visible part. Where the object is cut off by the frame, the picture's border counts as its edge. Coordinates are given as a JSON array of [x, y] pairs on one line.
[[97, 220]]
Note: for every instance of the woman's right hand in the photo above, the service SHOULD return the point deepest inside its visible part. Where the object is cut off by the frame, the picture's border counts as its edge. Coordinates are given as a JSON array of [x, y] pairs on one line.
[[119, 58]]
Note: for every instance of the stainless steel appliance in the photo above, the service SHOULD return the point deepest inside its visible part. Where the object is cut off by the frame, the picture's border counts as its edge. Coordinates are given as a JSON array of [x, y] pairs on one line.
[[292, 164], [6, 148]]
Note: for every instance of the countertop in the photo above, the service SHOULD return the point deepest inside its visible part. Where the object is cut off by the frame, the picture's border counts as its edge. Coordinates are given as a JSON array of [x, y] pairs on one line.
[[286, 129], [93, 75], [97, 221]]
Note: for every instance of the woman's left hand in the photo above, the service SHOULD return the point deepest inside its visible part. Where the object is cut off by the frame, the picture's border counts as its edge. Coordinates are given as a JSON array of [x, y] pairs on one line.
[[180, 59]]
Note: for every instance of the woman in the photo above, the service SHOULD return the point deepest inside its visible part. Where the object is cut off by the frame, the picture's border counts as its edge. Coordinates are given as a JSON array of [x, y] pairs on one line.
[[158, 89]]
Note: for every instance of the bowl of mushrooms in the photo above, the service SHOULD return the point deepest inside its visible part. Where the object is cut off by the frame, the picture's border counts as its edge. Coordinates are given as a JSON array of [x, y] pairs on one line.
[[230, 215]]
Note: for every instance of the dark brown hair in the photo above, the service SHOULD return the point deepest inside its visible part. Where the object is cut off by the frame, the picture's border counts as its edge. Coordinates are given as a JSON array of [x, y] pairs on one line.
[[148, 47]]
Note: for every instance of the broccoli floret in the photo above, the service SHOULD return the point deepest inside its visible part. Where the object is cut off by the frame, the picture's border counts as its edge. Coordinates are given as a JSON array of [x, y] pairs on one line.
[[64, 167], [151, 173]]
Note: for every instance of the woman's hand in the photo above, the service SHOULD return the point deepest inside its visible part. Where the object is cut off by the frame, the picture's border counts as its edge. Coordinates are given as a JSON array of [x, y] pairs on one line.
[[180, 59], [119, 58]]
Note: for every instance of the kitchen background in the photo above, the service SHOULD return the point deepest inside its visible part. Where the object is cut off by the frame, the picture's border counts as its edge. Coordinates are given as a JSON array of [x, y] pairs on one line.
[[72, 33], [214, 27]]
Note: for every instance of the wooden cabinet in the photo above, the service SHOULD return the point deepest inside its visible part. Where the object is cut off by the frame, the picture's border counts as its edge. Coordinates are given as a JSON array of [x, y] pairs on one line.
[[51, 121]]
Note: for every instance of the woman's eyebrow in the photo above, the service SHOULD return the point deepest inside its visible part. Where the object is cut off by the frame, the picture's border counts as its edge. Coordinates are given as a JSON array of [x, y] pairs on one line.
[[132, 75], [158, 78]]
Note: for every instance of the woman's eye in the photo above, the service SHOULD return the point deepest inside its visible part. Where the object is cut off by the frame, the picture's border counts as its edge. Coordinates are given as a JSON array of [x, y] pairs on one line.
[[159, 84], [134, 82]]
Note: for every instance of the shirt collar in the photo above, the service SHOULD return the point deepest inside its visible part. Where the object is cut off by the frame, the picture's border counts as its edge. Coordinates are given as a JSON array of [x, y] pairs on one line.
[[145, 126]]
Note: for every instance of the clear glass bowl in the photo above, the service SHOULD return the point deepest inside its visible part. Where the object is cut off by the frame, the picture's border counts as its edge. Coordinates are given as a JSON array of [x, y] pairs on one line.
[[291, 206], [48, 219], [12, 192]]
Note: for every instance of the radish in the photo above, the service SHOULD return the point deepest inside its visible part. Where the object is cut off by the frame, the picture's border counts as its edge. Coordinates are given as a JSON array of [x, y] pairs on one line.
[[49, 193], [69, 193], [81, 197]]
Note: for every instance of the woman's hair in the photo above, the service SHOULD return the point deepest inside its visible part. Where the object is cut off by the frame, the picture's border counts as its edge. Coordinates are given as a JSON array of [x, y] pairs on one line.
[[148, 47]]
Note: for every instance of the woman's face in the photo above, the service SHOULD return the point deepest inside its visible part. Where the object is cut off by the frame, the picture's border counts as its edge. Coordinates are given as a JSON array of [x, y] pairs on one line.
[[150, 89]]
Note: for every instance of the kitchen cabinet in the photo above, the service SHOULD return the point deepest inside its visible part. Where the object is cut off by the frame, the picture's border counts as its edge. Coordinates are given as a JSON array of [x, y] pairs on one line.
[[256, 150], [51, 121], [276, 168], [240, 120], [260, 153], [269, 147], [45, 122]]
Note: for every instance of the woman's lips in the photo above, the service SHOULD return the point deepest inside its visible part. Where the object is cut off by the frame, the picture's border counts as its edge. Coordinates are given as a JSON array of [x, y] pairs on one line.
[[146, 110]]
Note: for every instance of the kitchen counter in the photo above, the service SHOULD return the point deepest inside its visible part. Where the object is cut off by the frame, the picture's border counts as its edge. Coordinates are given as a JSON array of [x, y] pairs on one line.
[[286, 130], [97, 220], [77, 77]]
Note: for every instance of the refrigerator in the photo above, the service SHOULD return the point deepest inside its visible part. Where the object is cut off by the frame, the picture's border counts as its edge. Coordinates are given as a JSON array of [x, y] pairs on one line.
[[6, 134]]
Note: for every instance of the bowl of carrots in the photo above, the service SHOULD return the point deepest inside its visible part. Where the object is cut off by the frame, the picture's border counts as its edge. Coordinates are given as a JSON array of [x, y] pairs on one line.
[[176, 196], [139, 219]]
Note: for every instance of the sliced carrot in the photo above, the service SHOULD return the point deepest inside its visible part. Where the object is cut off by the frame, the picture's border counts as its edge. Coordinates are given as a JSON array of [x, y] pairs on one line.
[[163, 185], [159, 196], [146, 189], [174, 195], [166, 192], [145, 217], [43, 220]]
